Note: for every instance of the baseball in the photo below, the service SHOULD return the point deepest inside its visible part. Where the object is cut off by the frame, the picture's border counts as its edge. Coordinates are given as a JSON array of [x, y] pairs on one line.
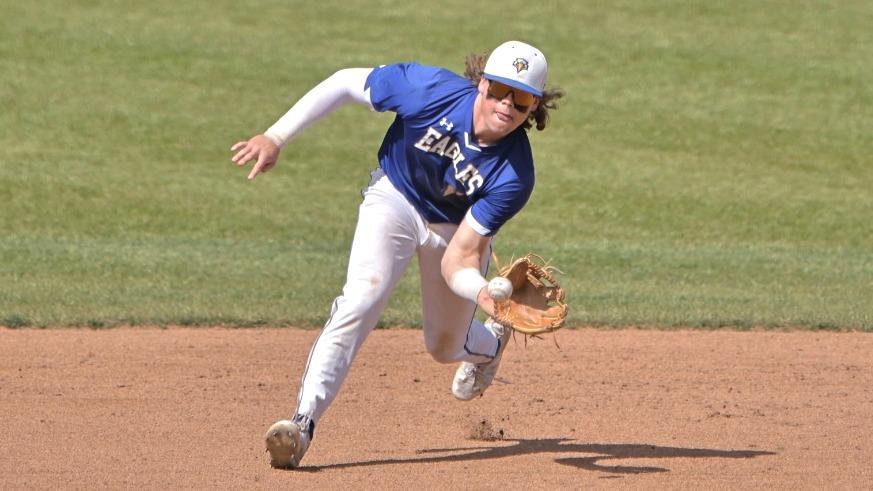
[[499, 288]]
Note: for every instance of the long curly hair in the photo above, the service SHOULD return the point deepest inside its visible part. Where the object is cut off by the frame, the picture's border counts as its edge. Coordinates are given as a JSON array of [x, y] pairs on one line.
[[473, 70]]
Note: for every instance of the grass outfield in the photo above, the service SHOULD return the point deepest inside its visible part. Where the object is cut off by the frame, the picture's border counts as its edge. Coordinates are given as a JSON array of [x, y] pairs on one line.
[[710, 165]]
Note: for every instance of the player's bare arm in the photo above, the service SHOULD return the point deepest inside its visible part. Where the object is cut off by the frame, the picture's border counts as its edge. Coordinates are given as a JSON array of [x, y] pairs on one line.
[[460, 265]]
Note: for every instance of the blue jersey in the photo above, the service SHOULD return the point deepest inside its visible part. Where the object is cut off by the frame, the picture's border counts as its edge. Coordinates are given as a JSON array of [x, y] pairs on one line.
[[430, 154]]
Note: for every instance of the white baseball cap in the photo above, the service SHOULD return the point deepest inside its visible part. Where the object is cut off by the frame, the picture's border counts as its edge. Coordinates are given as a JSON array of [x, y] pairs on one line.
[[518, 65]]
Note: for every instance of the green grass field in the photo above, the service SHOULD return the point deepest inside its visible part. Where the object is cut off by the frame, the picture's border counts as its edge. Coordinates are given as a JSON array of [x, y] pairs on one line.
[[710, 165]]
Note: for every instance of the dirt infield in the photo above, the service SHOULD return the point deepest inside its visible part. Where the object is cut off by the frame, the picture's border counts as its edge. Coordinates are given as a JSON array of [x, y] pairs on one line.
[[187, 408]]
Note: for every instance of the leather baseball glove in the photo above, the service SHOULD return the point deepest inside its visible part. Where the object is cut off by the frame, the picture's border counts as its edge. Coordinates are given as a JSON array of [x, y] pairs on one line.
[[536, 305]]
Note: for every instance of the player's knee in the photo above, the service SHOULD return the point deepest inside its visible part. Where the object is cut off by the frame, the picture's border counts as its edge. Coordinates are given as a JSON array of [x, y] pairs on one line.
[[442, 355], [443, 349], [366, 293]]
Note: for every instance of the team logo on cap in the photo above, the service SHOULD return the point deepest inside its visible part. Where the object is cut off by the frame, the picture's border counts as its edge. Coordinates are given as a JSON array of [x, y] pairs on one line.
[[520, 64]]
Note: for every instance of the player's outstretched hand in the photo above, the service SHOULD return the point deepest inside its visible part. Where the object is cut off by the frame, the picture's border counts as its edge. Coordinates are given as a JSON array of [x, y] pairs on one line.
[[259, 148]]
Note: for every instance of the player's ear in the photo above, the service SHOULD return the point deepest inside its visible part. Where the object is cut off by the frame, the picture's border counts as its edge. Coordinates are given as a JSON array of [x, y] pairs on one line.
[[533, 108], [536, 104], [483, 85]]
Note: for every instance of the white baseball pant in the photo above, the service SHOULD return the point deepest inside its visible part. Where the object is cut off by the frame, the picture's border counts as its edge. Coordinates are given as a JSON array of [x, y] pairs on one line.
[[389, 232]]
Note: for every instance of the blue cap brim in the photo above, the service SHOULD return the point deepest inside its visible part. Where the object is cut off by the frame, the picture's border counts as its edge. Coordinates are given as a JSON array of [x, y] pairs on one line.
[[516, 84]]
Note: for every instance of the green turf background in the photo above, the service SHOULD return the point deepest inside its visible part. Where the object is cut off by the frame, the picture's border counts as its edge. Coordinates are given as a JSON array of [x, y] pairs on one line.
[[710, 166]]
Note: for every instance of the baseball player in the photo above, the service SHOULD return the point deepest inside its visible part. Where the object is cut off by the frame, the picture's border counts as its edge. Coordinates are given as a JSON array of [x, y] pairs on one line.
[[454, 166]]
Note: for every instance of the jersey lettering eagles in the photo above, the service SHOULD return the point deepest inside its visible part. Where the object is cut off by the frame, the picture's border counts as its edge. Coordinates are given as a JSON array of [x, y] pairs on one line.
[[430, 153]]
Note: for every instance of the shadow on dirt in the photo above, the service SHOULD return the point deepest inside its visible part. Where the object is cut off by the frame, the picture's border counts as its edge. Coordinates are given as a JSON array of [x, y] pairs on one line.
[[601, 451]]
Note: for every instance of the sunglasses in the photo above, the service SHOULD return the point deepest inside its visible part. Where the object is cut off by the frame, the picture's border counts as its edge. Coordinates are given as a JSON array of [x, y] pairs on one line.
[[520, 99]]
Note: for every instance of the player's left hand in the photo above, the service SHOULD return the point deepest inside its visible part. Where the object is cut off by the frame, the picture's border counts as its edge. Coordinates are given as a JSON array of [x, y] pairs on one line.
[[259, 148]]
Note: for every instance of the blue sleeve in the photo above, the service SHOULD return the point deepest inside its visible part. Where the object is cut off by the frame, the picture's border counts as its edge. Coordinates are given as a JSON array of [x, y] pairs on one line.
[[405, 88], [496, 207]]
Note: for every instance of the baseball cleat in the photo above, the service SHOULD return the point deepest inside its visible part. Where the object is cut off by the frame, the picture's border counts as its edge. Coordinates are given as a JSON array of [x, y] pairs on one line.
[[287, 442], [471, 379]]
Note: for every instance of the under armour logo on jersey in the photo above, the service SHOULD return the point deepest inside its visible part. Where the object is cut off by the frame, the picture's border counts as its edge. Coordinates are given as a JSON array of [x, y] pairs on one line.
[[445, 123], [520, 64]]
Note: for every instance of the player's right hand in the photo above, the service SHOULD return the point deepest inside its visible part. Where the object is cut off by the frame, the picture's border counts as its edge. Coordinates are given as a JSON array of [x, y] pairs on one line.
[[485, 302], [259, 148]]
